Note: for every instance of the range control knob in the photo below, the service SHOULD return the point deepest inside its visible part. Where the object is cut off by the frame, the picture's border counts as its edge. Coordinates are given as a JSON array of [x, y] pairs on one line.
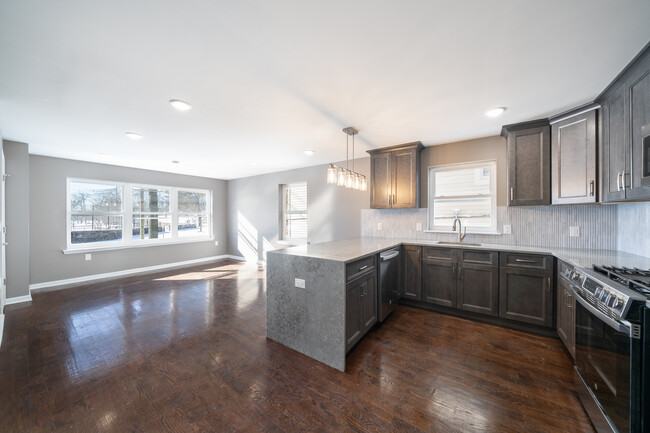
[[603, 295], [575, 276], [618, 304]]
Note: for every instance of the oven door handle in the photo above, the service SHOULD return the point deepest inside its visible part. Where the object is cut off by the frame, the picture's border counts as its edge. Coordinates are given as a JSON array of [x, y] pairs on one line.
[[620, 327]]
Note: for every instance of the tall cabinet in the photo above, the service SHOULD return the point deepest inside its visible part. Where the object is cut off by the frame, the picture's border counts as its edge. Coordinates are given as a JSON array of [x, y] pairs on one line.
[[625, 120], [395, 176], [573, 156], [528, 147]]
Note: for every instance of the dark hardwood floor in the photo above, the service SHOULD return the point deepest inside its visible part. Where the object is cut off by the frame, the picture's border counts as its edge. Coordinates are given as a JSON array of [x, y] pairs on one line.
[[186, 351]]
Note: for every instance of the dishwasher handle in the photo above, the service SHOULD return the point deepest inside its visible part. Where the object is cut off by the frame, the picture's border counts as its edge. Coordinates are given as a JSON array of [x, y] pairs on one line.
[[387, 255]]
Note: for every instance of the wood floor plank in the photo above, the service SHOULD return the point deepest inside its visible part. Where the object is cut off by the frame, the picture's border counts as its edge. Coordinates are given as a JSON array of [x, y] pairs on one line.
[[186, 351]]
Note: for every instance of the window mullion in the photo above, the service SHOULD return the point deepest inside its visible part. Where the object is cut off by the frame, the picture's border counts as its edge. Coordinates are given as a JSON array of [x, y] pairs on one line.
[[173, 208]]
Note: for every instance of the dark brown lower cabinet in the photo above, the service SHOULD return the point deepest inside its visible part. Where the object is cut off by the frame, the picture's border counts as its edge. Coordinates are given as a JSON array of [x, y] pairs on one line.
[[565, 315], [412, 272], [360, 308], [478, 288], [439, 281], [526, 295]]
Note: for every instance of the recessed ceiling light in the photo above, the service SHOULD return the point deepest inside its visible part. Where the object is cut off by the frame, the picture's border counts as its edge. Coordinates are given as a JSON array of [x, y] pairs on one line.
[[494, 112], [255, 164], [106, 155], [180, 105], [133, 135], [175, 162], [309, 152]]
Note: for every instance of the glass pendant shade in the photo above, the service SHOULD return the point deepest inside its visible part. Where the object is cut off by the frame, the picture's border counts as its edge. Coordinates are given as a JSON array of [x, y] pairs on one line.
[[357, 182], [331, 175], [364, 184], [349, 180], [341, 179]]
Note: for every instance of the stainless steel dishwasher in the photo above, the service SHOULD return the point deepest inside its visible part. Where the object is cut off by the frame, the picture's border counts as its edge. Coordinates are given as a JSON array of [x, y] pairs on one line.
[[388, 282]]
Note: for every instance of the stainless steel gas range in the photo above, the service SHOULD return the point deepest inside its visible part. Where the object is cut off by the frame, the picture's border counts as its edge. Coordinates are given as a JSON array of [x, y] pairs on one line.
[[611, 346]]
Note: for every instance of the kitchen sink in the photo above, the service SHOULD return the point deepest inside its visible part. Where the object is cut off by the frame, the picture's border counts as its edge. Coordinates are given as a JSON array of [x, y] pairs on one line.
[[459, 243]]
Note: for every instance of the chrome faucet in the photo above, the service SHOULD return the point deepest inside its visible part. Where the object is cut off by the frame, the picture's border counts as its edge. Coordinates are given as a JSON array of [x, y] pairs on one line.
[[461, 236]]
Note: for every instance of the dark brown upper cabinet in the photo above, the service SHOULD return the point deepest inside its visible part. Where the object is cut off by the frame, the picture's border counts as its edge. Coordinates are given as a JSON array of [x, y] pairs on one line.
[[395, 176], [528, 147], [573, 156], [625, 127]]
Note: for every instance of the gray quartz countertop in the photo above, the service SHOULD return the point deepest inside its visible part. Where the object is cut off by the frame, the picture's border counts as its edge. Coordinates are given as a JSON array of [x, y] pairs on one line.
[[350, 249]]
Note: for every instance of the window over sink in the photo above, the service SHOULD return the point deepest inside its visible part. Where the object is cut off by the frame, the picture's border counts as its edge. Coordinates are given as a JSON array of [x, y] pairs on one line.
[[465, 191]]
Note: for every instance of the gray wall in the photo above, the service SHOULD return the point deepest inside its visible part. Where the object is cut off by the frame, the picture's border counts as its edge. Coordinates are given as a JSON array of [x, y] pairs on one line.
[[47, 220], [17, 216], [333, 212], [480, 149]]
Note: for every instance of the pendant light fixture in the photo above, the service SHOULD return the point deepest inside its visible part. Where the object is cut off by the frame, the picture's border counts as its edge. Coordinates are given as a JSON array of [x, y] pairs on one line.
[[344, 176]]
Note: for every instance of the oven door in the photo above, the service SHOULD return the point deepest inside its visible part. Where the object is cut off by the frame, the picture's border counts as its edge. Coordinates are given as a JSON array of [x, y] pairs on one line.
[[603, 360]]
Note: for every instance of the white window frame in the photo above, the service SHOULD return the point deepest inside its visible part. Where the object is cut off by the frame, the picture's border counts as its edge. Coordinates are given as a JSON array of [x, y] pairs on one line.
[[283, 212], [493, 195], [127, 218]]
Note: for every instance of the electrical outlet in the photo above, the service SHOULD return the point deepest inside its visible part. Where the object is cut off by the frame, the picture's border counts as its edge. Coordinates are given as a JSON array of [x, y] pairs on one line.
[[380, 226], [88, 257], [418, 227], [507, 229], [574, 231], [216, 243], [300, 283]]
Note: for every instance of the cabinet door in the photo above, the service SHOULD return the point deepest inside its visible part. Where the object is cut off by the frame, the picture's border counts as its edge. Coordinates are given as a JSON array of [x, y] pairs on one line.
[[639, 94], [369, 302], [439, 282], [613, 151], [478, 288], [412, 273], [565, 318], [405, 178], [573, 153], [526, 296], [353, 313], [529, 167], [380, 181]]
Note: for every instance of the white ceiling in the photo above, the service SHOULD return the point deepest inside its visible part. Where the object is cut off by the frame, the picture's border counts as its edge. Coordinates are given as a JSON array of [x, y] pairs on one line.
[[269, 79]]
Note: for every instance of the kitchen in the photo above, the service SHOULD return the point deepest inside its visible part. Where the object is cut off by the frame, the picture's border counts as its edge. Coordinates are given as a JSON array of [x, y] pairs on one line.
[[324, 298], [185, 247]]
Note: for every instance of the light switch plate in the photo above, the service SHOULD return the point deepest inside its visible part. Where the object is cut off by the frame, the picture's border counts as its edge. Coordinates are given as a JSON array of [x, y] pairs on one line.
[[216, 243], [380, 226], [507, 229], [574, 231], [418, 227], [300, 283], [88, 257]]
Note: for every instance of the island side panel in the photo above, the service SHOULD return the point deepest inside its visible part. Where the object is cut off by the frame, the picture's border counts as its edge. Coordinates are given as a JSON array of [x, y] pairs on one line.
[[310, 320]]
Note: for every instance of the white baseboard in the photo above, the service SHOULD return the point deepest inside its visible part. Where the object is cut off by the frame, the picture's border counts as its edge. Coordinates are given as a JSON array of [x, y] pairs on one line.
[[61, 284], [18, 299], [2, 326]]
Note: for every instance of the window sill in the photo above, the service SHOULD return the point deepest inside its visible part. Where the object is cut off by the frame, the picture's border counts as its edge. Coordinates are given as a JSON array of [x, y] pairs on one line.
[[130, 246], [469, 232]]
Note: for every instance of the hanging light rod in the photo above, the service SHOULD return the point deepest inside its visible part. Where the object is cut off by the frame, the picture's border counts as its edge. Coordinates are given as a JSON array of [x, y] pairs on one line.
[[344, 176]]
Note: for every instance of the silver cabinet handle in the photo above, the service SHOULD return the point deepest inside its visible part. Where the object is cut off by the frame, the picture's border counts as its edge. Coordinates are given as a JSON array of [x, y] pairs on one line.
[[393, 198], [390, 199], [5, 243], [618, 181], [623, 180], [363, 267], [524, 261], [548, 285], [591, 188], [512, 193]]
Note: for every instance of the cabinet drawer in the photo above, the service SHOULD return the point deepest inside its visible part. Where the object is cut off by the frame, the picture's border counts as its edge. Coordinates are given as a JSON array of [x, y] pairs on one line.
[[358, 267], [478, 256], [433, 253], [527, 261]]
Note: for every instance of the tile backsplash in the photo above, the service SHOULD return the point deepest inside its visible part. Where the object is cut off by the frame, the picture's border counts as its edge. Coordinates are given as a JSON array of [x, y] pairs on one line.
[[546, 226], [634, 228]]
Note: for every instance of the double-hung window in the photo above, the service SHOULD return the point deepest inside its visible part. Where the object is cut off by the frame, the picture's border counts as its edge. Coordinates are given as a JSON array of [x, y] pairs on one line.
[[113, 214], [294, 212], [465, 191]]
